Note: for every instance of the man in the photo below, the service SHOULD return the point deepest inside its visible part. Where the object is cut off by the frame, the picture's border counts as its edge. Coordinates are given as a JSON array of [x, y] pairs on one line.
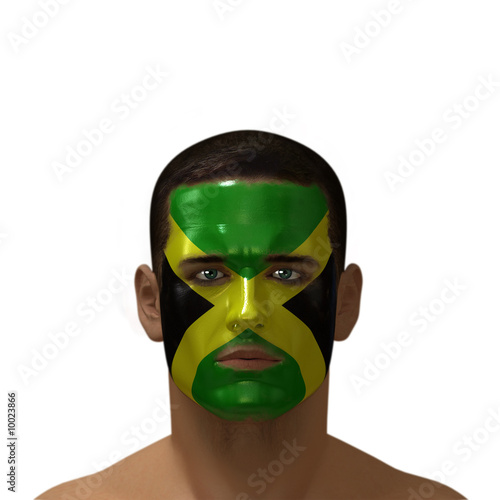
[[248, 292]]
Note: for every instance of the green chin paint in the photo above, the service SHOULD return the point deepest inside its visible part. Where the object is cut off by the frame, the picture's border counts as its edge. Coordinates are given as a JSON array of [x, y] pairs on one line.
[[240, 394]]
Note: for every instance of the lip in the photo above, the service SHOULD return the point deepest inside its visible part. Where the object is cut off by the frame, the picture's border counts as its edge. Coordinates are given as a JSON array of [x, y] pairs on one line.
[[247, 357]]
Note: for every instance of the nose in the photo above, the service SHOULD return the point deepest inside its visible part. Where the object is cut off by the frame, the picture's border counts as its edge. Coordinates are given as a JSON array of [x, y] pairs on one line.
[[243, 308]]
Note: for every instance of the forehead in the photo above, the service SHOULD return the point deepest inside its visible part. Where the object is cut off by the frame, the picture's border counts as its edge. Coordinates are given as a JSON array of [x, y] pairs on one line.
[[247, 219]]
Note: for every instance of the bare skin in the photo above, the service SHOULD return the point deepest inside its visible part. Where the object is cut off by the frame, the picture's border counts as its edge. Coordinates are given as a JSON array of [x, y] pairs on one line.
[[290, 457]]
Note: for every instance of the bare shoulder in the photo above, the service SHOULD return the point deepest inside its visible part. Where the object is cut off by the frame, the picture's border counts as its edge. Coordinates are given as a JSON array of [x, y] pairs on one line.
[[96, 486], [91, 487], [132, 477], [366, 477]]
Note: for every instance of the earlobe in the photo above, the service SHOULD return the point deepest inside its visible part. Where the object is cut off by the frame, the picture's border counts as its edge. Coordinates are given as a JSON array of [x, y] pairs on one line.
[[148, 302], [348, 301]]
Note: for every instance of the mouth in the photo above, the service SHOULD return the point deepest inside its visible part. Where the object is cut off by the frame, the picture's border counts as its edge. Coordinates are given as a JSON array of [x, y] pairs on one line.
[[247, 358]]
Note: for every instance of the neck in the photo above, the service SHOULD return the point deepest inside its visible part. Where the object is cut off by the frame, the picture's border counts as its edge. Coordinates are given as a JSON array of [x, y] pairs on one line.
[[272, 459]]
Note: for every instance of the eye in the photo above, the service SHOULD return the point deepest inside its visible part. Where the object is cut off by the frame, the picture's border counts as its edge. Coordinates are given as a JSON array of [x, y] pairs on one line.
[[286, 274], [209, 274]]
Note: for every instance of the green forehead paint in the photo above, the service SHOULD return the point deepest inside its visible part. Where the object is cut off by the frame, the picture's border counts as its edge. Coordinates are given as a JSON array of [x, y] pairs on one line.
[[245, 222]]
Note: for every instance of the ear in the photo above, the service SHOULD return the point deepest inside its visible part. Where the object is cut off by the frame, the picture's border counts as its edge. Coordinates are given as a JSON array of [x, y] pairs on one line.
[[148, 302], [348, 301]]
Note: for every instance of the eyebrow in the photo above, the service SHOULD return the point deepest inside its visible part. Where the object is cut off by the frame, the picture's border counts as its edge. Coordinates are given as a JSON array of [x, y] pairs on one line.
[[203, 259], [289, 258], [270, 258]]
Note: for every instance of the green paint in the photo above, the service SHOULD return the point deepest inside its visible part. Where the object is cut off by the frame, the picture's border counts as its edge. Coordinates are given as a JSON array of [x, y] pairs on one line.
[[247, 221], [240, 394]]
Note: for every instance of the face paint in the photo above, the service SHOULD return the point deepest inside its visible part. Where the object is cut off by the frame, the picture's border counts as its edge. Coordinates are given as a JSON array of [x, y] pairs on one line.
[[248, 269]]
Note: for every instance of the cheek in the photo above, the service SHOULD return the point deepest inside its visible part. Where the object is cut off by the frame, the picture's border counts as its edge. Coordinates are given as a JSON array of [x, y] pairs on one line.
[[180, 308], [315, 307]]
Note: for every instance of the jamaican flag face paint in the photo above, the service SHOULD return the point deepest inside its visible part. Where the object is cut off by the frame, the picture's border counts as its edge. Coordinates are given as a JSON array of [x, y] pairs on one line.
[[248, 296]]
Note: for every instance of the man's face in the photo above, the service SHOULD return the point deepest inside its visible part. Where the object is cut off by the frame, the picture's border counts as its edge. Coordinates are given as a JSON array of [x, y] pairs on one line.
[[248, 296]]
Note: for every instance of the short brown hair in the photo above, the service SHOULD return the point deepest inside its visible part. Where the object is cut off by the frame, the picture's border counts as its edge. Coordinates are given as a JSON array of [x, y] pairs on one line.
[[251, 155]]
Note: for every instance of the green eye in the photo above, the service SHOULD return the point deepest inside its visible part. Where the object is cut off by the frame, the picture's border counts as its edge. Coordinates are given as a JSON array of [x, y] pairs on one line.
[[209, 274], [286, 274]]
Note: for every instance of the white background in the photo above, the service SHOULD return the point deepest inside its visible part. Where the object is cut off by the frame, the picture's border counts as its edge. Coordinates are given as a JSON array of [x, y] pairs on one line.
[[279, 66]]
